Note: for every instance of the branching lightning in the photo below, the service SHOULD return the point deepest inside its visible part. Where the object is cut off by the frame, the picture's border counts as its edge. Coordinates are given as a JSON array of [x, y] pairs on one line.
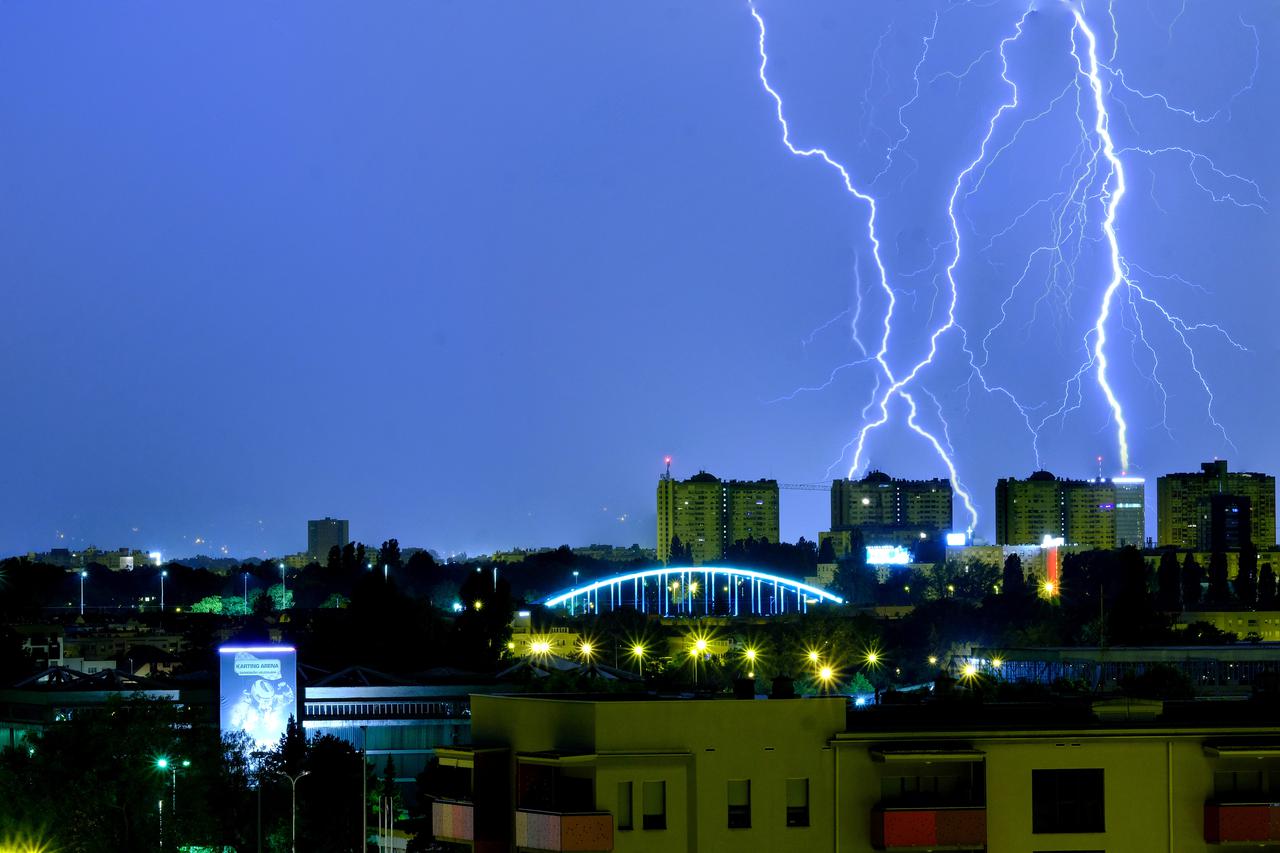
[[1093, 178]]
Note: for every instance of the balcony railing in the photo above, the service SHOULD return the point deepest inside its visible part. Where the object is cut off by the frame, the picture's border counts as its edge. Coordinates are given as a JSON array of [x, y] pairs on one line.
[[1241, 823], [577, 831], [936, 828], [453, 821]]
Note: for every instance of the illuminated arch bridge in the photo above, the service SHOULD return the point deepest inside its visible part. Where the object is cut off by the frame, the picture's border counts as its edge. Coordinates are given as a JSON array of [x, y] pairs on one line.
[[694, 591]]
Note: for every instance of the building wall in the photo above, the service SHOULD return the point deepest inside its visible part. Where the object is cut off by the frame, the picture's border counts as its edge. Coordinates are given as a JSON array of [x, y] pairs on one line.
[[709, 515], [880, 501], [1182, 504], [1088, 513], [325, 533]]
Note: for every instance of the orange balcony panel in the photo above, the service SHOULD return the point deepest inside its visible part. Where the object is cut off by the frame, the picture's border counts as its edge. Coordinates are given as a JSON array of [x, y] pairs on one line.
[[1241, 823], [930, 829], [564, 831], [453, 821]]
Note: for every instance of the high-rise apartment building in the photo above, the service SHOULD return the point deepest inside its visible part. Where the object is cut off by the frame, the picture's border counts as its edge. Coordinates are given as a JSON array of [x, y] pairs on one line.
[[325, 533], [879, 502], [709, 515], [1184, 506], [1090, 513]]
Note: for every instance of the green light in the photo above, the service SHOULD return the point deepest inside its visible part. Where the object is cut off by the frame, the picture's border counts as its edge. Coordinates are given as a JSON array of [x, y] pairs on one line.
[[162, 763]]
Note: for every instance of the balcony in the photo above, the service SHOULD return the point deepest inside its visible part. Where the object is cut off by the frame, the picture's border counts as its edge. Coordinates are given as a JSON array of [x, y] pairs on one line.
[[579, 831], [938, 828], [453, 821], [1241, 823]]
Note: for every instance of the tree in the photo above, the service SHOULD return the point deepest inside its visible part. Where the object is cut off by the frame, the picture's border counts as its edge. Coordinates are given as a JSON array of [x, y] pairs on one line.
[[1246, 585], [1266, 588], [1192, 577], [855, 581], [1169, 582], [826, 551], [389, 554], [334, 562], [681, 554], [1219, 589], [1013, 583], [349, 563]]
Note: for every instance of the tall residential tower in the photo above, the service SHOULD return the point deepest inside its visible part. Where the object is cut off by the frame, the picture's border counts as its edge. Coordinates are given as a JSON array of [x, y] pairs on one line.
[[709, 515]]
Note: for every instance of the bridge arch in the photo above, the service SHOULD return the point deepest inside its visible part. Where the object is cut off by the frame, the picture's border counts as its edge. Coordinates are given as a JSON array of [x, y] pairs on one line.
[[694, 591]]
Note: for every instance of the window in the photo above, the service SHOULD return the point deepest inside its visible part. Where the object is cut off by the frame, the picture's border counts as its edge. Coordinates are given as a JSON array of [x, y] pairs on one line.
[[1067, 801], [739, 803], [654, 795], [797, 802], [624, 805]]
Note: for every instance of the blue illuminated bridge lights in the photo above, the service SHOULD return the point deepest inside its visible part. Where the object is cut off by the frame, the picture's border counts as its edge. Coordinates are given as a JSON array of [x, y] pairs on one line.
[[695, 591]]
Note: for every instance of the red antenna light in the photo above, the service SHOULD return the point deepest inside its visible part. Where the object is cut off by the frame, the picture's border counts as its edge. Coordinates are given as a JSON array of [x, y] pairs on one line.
[[667, 459]]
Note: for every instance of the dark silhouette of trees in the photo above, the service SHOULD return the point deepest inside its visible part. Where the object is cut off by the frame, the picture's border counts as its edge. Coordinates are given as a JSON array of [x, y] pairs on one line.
[[1246, 584], [826, 551], [389, 554], [855, 581], [1219, 589], [335, 559], [1192, 577], [1266, 588], [681, 554], [1013, 582], [1169, 582]]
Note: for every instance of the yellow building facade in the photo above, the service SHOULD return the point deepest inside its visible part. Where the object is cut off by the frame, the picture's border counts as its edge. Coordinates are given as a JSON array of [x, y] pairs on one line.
[[680, 774], [709, 515]]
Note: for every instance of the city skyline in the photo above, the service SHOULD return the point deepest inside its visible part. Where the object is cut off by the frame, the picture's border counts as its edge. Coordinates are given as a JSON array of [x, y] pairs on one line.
[[254, 293]]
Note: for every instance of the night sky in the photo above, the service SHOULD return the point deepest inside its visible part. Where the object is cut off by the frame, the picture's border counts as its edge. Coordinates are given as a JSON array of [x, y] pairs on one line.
[[464, 272]]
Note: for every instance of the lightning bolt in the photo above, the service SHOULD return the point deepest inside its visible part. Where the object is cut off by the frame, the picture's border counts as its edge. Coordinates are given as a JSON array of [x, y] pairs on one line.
[[895, 386], [1094, 176]]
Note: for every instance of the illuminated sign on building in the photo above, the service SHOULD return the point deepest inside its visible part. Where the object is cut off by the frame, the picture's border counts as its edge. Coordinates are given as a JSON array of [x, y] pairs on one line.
[[257, 691], [956, 540], [887, 555]]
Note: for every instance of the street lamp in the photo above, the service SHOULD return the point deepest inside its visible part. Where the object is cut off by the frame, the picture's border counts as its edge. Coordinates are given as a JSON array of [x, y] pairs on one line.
[[83, 575], [750, 655], [293, 784], [283, 588], [637, 652], [164, 573]]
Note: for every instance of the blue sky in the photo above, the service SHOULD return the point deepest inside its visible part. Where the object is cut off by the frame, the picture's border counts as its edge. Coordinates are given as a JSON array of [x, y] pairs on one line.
[[465, 272]]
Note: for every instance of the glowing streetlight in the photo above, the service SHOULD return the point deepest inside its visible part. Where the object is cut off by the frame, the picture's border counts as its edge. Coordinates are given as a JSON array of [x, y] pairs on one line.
[[283, 588], [996, 663], [813, 656], [826, 674], [969, 671], [933, 660], [586, 650], [540, 648], [700, 645], [872, 658], [83, 575], [637, 652], [164, 573], [1050, 588]]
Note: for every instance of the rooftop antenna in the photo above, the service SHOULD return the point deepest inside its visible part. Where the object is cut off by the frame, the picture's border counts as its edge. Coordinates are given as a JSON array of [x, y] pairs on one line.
[[667, 460]]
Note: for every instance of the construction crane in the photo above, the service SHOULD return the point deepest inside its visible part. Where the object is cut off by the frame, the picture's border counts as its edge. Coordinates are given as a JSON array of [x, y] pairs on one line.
[[806, 487]]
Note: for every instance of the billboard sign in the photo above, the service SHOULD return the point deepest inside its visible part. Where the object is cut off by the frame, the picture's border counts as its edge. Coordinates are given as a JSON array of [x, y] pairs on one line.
[[258, 691], [887, 555]]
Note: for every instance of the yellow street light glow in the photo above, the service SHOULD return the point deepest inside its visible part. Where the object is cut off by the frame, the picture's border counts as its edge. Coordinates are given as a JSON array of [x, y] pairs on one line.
[[996, 662], [511, 646], [825, 673], [1049, 588], [693, 586], [700, 644], [479, 604], [540, 647], [969, 670], [586, 649], [637, 651], [933, 660], [813, 656], [750, 654], [873, 658]]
